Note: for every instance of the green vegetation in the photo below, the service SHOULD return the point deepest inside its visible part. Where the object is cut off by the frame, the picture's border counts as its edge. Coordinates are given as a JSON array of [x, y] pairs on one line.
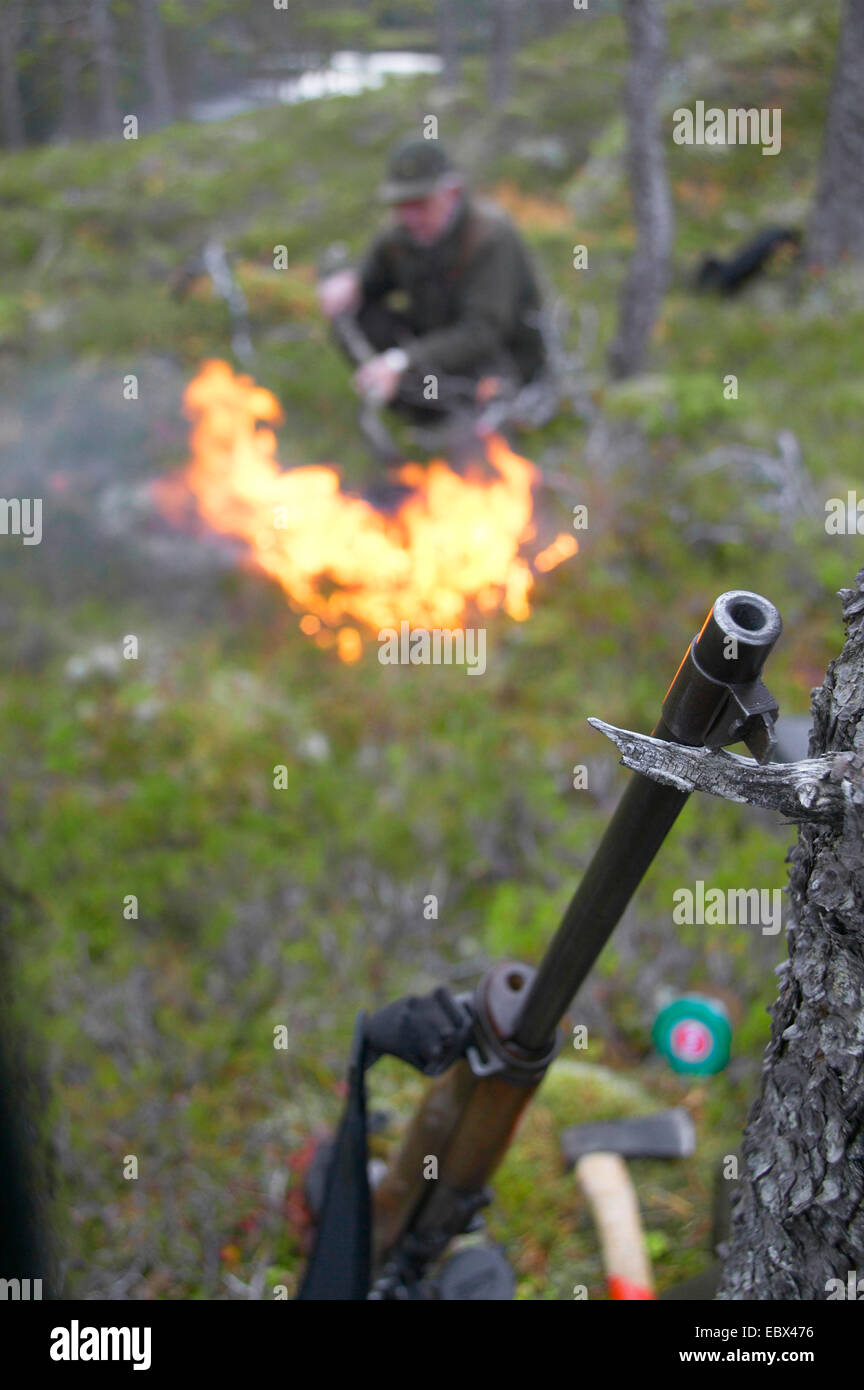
[[259, 907]]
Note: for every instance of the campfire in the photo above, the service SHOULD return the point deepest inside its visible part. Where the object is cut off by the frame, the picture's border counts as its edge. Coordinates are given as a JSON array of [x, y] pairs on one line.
[[457, 541]]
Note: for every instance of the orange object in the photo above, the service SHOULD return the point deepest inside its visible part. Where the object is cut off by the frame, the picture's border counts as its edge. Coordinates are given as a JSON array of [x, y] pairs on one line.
[[607, 1185], [623, 1290], [456, 541]]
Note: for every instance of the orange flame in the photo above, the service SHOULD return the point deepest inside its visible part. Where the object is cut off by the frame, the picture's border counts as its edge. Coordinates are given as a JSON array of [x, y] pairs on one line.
[[453, 541]]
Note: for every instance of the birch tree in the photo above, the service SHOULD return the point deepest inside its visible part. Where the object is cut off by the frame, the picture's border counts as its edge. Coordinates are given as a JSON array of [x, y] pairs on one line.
[[837, 219], [648, 274]]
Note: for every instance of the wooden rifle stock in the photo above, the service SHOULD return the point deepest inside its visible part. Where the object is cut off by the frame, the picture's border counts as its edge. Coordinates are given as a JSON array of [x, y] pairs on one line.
[[467, 1118]]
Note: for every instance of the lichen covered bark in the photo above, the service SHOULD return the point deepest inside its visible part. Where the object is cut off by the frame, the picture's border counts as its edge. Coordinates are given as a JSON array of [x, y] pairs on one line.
[[798, 1217]]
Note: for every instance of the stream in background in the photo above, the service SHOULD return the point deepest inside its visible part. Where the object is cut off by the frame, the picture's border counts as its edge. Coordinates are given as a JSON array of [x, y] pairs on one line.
[[345, 74]]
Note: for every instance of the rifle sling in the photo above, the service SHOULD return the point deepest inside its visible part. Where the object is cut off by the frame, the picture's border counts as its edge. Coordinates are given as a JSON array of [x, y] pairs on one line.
[[430, 1032]]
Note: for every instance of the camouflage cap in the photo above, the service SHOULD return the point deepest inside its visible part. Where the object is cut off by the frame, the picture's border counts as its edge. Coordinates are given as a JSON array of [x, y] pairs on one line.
[[414, 170]]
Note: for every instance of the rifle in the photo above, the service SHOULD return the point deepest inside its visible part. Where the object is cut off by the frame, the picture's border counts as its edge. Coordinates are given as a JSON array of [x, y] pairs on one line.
[[497, 1043]]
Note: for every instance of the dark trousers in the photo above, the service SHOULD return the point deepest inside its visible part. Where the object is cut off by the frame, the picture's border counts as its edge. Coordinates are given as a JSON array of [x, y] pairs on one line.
[[385, 328]]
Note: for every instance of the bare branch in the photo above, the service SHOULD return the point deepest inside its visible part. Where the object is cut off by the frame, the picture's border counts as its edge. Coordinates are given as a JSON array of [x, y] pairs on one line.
[[816, 789]]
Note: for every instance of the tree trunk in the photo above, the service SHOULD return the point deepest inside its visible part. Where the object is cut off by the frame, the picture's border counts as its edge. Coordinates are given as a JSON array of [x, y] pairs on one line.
[[101, 30], [61, 22], [649, 270], [155, 66], [798, 1216], [448, 46], [837, 218], [10, 93], [71, 121], [502, 51]]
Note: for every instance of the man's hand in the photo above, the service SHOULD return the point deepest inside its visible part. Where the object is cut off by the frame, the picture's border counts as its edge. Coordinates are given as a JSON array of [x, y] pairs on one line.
[[378, 379], [339, 293]]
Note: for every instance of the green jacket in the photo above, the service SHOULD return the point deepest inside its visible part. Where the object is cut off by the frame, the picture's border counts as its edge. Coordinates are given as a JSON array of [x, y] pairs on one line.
[[471, 299]]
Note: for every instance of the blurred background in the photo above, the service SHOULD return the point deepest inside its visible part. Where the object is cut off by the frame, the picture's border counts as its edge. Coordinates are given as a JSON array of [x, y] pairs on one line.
[[166, 907]]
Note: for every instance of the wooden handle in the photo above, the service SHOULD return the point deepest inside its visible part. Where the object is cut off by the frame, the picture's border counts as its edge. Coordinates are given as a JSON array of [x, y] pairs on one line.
[[607, 1185]]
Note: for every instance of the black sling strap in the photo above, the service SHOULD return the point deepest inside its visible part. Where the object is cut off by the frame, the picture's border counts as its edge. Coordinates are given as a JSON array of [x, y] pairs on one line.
[[429, 1032]]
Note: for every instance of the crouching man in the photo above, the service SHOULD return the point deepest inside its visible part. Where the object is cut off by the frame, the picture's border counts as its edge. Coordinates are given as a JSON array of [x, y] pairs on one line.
[[445, 311]]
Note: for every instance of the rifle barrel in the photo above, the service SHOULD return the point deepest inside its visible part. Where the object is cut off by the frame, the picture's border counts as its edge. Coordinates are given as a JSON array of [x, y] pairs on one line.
[[719, 673]]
